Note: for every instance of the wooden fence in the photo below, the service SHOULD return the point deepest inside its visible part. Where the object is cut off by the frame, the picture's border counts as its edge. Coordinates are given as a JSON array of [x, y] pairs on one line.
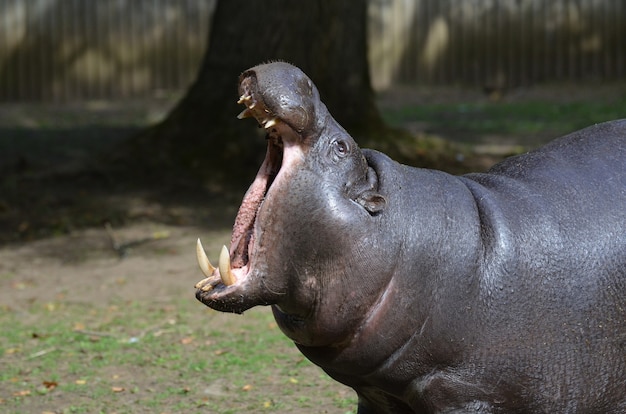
[[59, 50], [93, 49], [508, 42]]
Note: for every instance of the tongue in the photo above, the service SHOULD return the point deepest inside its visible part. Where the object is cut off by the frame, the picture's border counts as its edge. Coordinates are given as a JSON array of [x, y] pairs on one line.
[[240, 243], [242, 229]]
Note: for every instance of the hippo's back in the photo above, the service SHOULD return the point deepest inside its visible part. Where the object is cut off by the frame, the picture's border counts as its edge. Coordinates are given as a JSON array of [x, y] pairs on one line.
[[596, 154], [553, 233], [573, 189]]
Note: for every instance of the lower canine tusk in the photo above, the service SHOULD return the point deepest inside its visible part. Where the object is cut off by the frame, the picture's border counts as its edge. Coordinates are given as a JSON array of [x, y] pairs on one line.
[[225, 272], [205, 265]]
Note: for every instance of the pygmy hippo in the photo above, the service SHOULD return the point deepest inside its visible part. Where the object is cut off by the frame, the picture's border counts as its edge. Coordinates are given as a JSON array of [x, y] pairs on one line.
[[496, 292]]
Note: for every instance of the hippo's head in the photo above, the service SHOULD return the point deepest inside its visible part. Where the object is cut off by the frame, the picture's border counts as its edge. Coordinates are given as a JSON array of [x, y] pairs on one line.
[[306, 228]]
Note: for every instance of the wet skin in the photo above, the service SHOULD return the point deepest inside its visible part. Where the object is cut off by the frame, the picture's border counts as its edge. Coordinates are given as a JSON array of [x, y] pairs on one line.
[[430, 293]]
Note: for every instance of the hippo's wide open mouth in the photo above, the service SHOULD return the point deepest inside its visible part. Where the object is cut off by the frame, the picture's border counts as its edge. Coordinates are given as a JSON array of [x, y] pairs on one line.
[[235, 263]]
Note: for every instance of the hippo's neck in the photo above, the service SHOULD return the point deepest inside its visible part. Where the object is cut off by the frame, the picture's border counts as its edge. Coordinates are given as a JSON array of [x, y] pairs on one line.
[[416, 320]]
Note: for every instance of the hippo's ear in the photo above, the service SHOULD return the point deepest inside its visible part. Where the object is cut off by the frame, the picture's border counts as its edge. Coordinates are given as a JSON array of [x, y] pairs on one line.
[[373, 202], [367, 196]]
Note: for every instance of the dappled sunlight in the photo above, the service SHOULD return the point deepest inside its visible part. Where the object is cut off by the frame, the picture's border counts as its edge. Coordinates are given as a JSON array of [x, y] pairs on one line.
[[436, 43]]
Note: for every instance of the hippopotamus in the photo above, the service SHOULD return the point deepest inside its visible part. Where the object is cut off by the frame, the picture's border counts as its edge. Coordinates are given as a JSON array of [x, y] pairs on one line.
[[426, 292]]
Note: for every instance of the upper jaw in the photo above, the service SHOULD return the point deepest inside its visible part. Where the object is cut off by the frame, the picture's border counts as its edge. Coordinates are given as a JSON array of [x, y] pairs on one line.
[[254, 102], [287, 110]]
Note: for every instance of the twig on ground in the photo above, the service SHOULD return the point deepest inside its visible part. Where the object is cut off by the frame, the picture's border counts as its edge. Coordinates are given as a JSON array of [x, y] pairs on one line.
[[93, 333], [42, 353]]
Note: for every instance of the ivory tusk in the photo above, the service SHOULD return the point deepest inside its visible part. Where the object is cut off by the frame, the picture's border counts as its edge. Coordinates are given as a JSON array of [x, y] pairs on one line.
[[225, 271], [205, 265]]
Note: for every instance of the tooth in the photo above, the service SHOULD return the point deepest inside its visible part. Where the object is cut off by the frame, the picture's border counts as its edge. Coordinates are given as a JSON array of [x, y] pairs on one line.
[[271, 123], [204, 283], [225, 272], [205, 265], [244, 98], [246, 113]]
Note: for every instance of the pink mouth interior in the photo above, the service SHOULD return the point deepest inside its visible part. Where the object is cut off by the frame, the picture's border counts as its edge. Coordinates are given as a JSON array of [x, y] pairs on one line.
[[242, 240]]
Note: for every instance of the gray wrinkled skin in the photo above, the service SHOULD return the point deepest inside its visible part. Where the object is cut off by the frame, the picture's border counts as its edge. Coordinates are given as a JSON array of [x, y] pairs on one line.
[[502, 292]]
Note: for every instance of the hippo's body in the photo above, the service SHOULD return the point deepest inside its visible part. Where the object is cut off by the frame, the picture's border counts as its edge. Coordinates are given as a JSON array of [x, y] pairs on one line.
[[497, 292]]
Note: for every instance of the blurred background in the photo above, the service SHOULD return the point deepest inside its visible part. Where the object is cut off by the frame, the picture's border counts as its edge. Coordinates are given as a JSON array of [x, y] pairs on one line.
[[68, 50], [119, 95]]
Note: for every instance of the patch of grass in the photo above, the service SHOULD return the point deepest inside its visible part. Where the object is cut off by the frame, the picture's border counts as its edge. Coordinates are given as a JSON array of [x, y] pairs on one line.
[[506, 118], [143, 357]]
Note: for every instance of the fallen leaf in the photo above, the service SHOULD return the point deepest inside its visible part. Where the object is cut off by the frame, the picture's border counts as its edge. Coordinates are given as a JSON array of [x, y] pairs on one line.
[[48, 412], [10, 351], [220, 352], [118, 389], [80, 382], [293, 380], [246, 387], [78, 326], [50, 384], [267, 404], [187, 340], [22, 393]]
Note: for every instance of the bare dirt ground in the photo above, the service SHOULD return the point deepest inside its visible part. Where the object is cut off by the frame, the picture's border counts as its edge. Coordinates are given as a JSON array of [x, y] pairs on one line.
[[81, 264], [84, 267]]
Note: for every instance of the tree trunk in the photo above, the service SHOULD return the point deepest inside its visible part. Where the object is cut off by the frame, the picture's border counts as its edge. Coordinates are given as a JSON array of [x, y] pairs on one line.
[[325, 38]]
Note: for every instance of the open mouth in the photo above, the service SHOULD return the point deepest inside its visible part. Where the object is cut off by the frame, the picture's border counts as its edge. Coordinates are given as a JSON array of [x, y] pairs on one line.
[[235, 263]]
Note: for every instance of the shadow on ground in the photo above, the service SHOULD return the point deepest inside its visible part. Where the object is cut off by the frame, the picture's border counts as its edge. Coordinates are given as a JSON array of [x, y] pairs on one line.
[[54, 181]]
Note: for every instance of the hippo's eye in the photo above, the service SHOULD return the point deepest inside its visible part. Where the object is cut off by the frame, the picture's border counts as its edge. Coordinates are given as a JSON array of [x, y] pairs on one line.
[[340, 148]]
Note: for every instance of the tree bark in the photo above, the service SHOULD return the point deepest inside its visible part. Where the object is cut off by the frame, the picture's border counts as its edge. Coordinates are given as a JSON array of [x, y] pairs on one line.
[[327, 39]]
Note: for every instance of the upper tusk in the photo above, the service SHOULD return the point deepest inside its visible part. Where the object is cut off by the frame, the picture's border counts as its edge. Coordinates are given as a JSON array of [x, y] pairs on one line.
[[225, 271], [205, 265]]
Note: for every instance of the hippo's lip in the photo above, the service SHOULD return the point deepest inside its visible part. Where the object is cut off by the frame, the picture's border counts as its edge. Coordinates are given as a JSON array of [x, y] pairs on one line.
[[235, 266]]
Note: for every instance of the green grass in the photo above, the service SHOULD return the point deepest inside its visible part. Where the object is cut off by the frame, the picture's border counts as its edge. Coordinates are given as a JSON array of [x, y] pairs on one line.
[[513, 118], [143, 357]]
